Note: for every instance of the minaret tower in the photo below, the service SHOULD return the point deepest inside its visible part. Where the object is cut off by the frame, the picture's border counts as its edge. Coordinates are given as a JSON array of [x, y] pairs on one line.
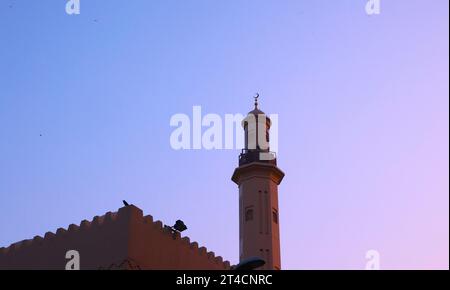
[[258, 178]]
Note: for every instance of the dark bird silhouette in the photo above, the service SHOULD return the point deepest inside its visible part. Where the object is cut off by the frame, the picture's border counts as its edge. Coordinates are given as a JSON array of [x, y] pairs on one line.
[[125, 203]]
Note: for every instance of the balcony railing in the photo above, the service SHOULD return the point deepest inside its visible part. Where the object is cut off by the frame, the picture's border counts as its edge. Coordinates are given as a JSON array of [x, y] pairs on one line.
[[254, 155]]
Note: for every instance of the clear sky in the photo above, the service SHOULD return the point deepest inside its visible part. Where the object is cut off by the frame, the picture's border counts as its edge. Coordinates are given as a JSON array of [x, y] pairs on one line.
[[363, 105]]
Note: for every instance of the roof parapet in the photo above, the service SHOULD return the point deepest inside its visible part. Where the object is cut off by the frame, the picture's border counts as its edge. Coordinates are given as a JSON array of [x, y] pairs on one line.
[[123, 212]]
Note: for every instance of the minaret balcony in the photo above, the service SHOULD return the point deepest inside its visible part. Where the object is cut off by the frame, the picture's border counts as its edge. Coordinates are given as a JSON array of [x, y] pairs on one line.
[[254, 155]]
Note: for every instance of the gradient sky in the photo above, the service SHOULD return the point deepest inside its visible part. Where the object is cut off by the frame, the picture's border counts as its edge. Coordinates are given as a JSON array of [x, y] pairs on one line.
[[363, 105]]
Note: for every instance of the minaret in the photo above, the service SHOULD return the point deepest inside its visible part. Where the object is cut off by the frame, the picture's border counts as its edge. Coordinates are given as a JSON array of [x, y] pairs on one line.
[[258, 178]]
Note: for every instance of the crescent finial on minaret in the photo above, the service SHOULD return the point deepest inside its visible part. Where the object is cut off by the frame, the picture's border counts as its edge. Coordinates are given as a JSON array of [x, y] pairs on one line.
[[256, 100]]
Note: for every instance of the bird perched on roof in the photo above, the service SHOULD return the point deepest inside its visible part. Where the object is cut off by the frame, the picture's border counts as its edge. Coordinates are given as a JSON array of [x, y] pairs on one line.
[[125, 203]]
